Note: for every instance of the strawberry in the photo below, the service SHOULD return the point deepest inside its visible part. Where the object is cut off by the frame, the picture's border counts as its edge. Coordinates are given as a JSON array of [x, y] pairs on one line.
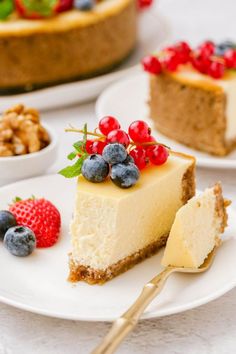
[[41, 216], [36, 9]]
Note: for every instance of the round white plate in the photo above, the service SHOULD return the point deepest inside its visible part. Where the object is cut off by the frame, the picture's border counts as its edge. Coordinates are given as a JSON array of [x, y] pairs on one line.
[[127, 100], [38, 283], [153, 32]]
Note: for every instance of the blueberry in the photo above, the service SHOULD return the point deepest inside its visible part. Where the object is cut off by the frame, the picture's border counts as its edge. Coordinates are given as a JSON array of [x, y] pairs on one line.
[[129, 159], [124, 175], [95, 169], [7, 220], [20, 241], [223, 46], [84, 5], [114, 153]]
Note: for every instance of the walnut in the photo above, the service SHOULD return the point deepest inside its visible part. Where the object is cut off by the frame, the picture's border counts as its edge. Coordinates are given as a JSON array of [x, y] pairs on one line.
[[21, 131]]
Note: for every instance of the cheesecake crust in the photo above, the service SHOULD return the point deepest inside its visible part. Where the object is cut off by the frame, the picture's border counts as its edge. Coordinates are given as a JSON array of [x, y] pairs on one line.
[[220, 206], [92, 276], [66, 48], [190, 113]]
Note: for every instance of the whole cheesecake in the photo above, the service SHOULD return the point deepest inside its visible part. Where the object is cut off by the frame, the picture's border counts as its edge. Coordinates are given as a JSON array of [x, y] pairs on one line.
[[113, 228], [69, 46]]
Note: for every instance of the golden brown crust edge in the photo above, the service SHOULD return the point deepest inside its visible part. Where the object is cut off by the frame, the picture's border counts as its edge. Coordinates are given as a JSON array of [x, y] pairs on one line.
[[220, 206]]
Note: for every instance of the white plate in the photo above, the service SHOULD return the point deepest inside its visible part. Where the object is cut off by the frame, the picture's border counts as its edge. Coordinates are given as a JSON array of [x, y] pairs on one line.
[[38, 283], [127, 100], [153, 32]]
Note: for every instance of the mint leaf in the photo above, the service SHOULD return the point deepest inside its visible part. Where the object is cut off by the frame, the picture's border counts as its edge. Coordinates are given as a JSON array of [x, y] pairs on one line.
[[74, 170], [72, 155], [79, 146]]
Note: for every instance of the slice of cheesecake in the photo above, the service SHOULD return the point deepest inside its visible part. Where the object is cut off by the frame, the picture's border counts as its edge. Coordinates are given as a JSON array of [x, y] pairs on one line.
[[113, 229], [197, 229], [195, 109]]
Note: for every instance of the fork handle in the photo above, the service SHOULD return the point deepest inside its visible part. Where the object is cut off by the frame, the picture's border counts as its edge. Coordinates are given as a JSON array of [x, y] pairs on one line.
[[124, 325]]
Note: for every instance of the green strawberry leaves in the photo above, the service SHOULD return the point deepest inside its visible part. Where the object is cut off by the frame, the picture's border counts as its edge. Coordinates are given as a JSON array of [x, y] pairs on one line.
[[44, 8]]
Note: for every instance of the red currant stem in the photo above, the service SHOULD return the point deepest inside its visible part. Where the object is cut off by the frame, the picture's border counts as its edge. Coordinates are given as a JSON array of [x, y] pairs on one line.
[[101, 136], [81, 131]]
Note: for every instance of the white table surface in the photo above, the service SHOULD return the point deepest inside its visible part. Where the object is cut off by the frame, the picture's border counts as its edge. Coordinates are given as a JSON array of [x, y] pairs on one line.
[[209, 329]]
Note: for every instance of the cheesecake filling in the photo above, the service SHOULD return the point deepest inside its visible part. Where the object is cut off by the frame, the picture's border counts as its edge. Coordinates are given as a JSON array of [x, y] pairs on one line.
[[228, 85], [110, 224], [196, 230]]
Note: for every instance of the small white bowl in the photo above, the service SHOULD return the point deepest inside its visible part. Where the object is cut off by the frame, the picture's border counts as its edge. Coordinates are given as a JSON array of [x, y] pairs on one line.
[[14, 168]]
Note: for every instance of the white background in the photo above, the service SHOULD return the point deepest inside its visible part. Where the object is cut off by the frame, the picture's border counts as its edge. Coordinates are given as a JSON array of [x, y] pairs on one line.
[[209, 329]]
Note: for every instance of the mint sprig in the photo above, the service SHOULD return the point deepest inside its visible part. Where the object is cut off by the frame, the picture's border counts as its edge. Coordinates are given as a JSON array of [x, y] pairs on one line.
[[80, 152]]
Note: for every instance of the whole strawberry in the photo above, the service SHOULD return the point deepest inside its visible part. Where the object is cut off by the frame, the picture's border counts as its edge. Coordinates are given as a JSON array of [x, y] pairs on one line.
[[41, 216], [33, 9]]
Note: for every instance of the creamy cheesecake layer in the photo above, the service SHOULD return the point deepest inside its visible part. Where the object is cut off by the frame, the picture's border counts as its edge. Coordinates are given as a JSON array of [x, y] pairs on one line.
[[196, 230], [227, 85], [111, 224]]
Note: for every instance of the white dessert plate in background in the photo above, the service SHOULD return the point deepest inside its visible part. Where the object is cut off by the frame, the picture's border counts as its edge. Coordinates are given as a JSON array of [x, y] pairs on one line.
[[38, 283], [127, 100], [153, 32]]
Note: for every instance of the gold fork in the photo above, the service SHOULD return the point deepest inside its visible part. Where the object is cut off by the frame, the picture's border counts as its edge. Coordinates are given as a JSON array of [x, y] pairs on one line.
[[125, 324]]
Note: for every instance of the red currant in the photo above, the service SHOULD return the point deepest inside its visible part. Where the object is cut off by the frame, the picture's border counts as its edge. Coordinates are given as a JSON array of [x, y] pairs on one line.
[[139, 156], [157, 154], [107, 124], [144, 3], [201, 63], [206, 49], [172, 62], [89, 146], [152, 64], [98, 146], [216, 70], [183, 51], [118, 136], [230, 58], [139, 131]]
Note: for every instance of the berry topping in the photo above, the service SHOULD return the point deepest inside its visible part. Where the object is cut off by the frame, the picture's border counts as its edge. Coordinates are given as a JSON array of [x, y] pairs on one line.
[[144, 3], [107, 124], [6, 8], [114, 153], [151, 64], [118, 136], [124, 175], [63, 5], [7, 220], [157, 154], [230, 58], [209, 58], [139, 156], [118, 148], [20, 241], [139, 131], [84, 5], [35, 9], [95, 169], [206, 49], [222, 47], [41, 216], [98, 147], [216, 70]]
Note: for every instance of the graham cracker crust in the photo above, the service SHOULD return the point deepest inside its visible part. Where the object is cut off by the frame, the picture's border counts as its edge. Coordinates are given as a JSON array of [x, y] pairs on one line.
[[92, 276]]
